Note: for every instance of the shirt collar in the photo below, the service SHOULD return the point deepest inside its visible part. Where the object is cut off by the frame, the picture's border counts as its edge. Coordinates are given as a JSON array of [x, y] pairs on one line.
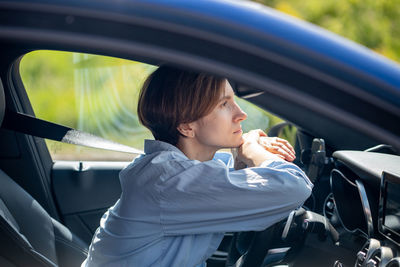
[[151, 146]]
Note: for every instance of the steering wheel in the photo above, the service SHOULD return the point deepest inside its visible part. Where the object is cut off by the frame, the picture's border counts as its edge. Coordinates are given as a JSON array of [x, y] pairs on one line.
[[248, 249], [251, 249], [287, 237]]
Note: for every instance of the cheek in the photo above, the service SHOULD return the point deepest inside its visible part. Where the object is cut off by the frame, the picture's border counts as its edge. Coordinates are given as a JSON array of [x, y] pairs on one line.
[[207, 127], [221, 132], [219, 121]]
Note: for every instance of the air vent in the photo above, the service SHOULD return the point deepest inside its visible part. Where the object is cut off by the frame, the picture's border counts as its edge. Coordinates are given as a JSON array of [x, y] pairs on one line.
[[366, 251], [361, 256], [375, 261]]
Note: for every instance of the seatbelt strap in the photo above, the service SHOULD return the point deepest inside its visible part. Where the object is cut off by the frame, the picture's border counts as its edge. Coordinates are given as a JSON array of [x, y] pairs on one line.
[[27, 124]]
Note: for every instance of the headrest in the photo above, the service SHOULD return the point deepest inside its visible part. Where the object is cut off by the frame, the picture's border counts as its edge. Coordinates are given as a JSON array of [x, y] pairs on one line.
[[2, 103]]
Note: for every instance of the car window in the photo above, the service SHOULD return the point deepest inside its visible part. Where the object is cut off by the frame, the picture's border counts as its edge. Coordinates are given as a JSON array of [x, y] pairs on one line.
[[98, 95]]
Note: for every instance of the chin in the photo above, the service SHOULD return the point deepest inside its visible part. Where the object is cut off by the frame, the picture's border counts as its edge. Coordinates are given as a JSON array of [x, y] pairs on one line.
[[238, 143], [233, 143]]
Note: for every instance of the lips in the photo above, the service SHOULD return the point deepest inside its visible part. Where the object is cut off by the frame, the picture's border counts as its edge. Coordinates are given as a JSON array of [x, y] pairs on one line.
[[238, 131]]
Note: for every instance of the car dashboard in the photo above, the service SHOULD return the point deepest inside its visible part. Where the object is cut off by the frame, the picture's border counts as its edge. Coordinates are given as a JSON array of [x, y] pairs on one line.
[[366, 193]]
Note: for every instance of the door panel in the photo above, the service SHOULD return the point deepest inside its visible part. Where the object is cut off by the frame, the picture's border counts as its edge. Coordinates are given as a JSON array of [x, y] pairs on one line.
[[84, 191]]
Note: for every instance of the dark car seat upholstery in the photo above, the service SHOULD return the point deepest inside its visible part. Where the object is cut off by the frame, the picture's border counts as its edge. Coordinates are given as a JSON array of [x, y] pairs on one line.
[[2, 103], [29, 236]]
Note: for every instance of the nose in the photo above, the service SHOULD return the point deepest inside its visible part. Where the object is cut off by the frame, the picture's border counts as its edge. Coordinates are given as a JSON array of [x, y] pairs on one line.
[[240, 115]]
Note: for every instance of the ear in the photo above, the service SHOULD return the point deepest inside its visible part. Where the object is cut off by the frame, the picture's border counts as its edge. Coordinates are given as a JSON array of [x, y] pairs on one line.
[[186, 129]]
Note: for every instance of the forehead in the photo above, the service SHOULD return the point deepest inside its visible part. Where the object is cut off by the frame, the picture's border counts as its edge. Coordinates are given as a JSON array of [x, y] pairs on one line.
[[227, 91]]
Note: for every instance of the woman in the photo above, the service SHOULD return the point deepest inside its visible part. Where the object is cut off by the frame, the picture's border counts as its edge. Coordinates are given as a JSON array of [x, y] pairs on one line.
[[180, 197]]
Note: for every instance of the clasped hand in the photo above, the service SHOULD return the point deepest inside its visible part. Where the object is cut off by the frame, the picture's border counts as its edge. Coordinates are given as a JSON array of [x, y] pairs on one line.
[[257, 147]]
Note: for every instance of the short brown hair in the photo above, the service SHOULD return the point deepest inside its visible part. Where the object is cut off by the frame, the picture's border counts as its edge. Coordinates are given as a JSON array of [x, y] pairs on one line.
[[171, 96]]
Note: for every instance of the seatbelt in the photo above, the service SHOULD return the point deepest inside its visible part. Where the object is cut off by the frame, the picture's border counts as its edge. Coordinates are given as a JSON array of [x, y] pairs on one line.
[[27, 124]]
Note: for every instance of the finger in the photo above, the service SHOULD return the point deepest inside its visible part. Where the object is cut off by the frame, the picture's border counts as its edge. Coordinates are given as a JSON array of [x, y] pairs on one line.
[[282, 157], [267, 145], [264, 142], [275, 151], [273, 146], [279, 156], [283, 153], [283, 141], [255, 134], [286, 149], [286, 143], [267, 139], [269, 142], [261, 132]]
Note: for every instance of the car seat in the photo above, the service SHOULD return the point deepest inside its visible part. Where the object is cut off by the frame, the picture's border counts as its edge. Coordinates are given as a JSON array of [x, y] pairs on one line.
[[29, 236]]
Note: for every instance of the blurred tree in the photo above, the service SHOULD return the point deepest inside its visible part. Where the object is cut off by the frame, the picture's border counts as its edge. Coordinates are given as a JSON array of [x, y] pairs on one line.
[[372, 23]]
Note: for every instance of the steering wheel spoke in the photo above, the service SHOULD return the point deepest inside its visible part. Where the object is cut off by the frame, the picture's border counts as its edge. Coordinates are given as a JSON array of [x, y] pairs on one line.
[[278, 243]]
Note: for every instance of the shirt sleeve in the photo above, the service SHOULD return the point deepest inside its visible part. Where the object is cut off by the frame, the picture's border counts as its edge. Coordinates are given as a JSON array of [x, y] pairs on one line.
[[206, 197]]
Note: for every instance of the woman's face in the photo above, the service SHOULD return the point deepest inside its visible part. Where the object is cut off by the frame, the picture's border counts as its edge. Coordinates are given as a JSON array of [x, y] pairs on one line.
[[221, 128]]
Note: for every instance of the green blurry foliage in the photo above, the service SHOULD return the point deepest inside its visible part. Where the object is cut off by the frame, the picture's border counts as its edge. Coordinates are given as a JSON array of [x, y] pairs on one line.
[[47, 78], [372, 23], [91, 93]]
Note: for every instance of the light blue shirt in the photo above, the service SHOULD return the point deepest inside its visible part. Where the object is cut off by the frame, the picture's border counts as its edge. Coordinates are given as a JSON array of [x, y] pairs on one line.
[[174, 211]]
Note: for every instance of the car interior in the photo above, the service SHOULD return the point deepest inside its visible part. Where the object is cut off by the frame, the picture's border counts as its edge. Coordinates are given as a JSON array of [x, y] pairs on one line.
[[345, 220], [50, 208]]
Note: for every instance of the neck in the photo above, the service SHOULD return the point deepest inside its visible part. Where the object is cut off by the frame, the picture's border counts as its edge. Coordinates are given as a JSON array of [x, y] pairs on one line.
[[195, 151]]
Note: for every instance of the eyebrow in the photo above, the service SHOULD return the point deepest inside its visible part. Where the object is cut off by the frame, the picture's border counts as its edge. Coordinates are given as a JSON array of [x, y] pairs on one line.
[[226, 97]]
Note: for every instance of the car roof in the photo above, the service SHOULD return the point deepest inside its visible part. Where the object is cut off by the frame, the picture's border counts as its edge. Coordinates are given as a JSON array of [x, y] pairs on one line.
[[257, 17], [210, 16]]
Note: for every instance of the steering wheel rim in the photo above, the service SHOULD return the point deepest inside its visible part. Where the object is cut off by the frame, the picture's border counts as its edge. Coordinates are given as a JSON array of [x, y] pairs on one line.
[[250, 248]]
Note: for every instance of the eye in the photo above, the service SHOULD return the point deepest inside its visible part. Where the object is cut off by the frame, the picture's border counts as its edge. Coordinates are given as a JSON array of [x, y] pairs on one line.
[[224, 104]]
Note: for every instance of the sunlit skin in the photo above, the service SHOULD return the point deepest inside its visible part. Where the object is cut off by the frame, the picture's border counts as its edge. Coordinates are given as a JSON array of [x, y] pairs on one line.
[[221, 129], [278, 146]]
